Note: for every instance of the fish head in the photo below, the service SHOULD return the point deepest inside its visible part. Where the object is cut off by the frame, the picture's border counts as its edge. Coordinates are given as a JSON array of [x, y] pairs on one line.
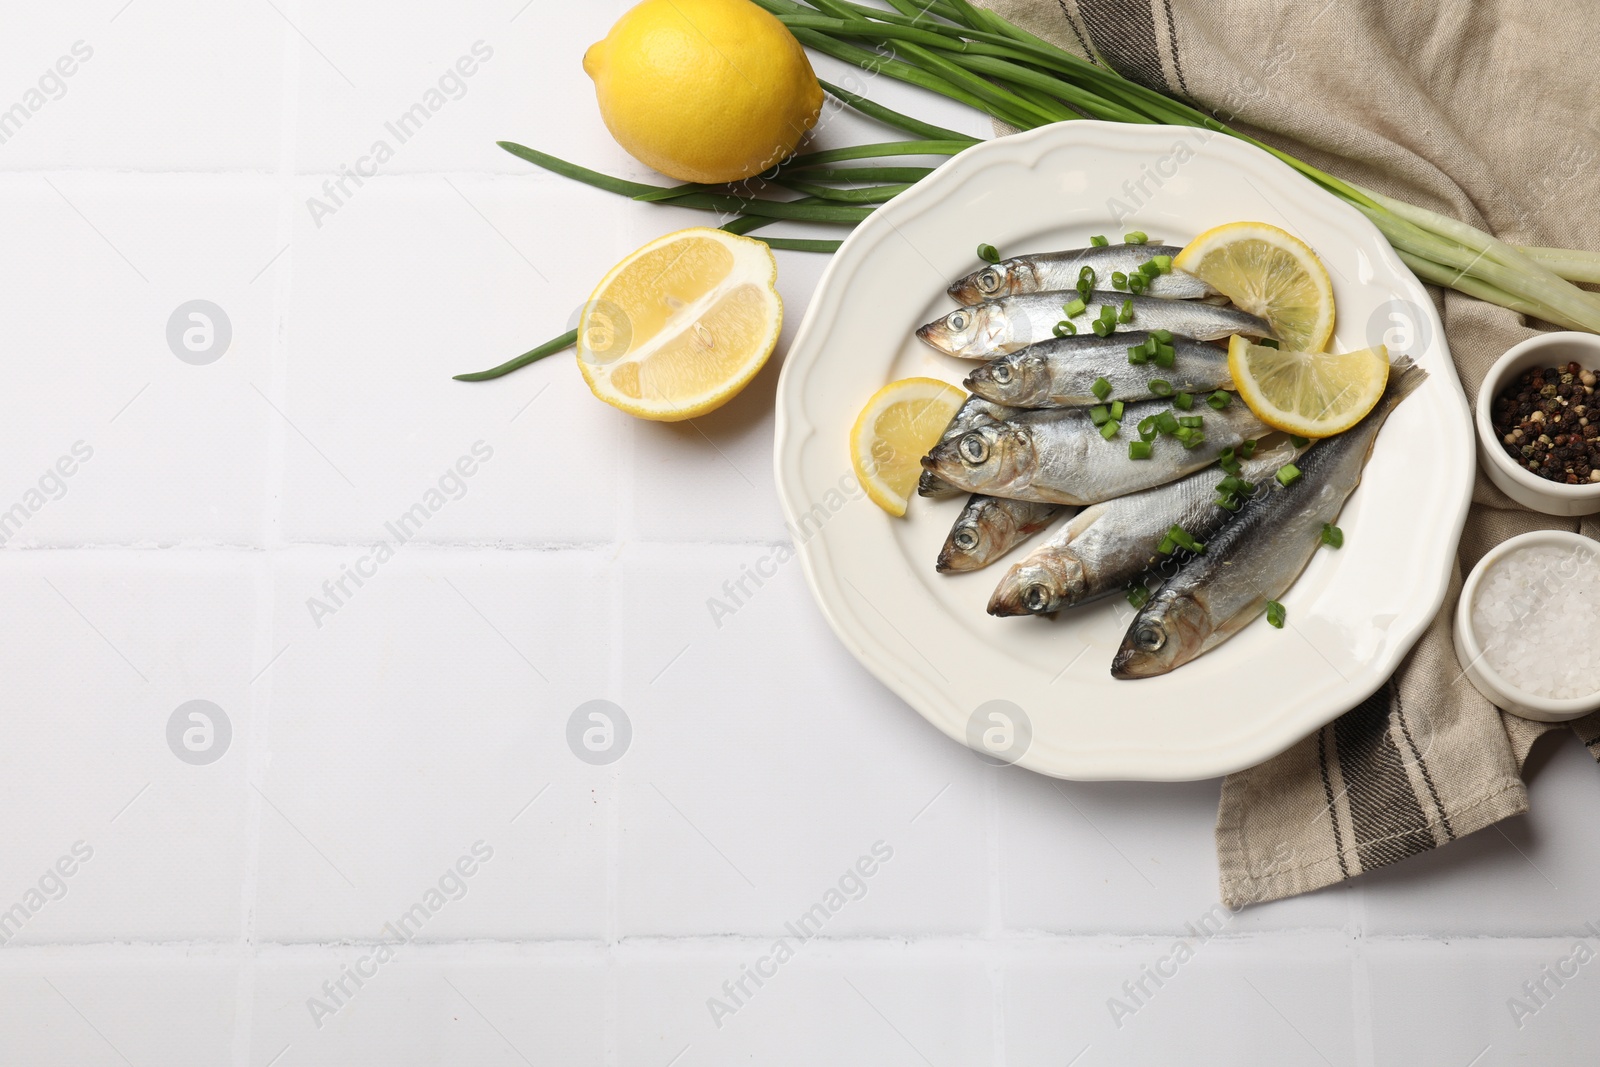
[[1165, 635], [976, 332], [971, 541], [984, 459], [993, 281], [1020, 379], [1039, 587]]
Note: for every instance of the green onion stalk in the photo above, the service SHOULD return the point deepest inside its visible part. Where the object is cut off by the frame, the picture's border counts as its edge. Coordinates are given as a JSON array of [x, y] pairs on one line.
[[968, 54]]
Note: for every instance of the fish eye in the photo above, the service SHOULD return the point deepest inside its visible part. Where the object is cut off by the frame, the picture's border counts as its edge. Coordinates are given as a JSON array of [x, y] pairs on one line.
[[966, 539], [957, 320], [1149, 638], [1036, 597], [989, 280], [973, 448], [1001, 373]]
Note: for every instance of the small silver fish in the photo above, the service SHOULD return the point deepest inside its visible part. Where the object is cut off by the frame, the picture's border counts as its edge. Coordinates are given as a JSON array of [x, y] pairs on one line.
[[1105, 548], [1062, 373], [1059, 270], [976, 411], [988, 528], [996, 327], [1058, 456], [1258, 556]]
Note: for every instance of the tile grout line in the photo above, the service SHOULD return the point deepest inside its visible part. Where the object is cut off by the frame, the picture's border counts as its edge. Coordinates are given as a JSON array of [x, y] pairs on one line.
[[260, 688]]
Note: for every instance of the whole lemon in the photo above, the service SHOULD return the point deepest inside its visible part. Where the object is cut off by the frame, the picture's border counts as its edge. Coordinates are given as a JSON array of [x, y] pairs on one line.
[[704, 90]]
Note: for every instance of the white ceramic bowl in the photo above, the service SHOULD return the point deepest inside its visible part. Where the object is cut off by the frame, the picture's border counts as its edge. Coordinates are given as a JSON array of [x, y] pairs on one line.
[[1470, 652], [1527, 489]]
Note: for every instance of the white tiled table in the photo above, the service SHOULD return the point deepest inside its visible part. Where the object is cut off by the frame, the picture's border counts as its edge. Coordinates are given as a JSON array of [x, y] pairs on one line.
[[374, 746]]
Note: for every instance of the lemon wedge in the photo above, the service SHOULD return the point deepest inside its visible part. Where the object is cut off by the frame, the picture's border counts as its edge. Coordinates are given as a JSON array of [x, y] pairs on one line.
[[901, 422], [1311, 394], [1268, 272], [679, 327]]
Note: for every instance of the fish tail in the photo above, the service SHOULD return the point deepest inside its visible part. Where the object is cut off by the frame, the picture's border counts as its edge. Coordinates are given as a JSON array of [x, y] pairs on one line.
[[1404, 379]]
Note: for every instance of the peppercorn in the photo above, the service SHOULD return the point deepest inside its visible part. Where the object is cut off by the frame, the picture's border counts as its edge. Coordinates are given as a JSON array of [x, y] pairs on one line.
[[1542, 421]]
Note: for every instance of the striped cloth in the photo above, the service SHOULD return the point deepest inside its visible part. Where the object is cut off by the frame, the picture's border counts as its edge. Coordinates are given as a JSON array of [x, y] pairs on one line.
[[1473, 109]]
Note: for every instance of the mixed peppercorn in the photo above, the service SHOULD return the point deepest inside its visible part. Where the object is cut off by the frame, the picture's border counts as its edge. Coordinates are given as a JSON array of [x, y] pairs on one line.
[[1544, 423]]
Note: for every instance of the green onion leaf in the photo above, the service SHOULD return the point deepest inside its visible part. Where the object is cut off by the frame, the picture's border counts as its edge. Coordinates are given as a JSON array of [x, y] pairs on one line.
[[1098, 241], [1074, 309], [1183, 401], [1228, 502], [1064, 329], [1137, 355], [1147, 428], [1160, 387], [1332, 536], [1119, 280], [1288, 474], [1247, 449], [1125, 315], [1228, 461], [1195, 440], [1100, 415], [1101, 388], [1163, 264], [1101, 329], [1137, 237], [988, 253], [1167, 546], [1137, 284], [1276, 614], [1110, 429], [1163, 337], [1117, 408], [1140, 449], [1193, 422], [1220, 399], [1166, 423], [1166, 355]]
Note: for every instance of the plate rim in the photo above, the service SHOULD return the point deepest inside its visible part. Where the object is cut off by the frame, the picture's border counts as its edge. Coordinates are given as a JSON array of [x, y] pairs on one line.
[[792, 429]]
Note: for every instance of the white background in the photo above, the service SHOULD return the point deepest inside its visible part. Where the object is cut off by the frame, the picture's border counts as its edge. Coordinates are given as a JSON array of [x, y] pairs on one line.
[[371, 751]]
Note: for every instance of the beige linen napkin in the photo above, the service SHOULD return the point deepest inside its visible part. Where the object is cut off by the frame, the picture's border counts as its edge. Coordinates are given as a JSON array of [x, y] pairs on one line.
[[1482, 111]]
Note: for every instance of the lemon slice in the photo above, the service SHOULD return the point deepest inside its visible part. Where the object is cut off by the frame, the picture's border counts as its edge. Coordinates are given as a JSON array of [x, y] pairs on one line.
[[1312, 394], [681, 325], [894, 431], [1270, 273]]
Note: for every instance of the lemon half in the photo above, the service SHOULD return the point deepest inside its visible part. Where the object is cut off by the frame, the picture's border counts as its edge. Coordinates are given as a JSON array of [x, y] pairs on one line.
[[681, 325], [1268, 272], [1312, 394], [898, 426]]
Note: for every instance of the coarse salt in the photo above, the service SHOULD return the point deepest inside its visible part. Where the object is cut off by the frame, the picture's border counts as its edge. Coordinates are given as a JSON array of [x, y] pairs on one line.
[[1537, 618]]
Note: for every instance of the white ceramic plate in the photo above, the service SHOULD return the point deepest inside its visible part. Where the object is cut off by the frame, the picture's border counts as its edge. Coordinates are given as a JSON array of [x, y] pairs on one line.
[[1353, 614]]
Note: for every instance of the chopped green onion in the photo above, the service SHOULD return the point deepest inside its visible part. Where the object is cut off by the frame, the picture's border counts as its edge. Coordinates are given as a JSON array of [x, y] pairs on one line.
[[1137, 237], [1228, 502], [1299, 442], [1098, 241], [1196, 440], [1147, 428], [1228, 461], [1108, 312], [1166, 355], [1064, 329], [1247, 449], [1119, 280], [988, 253], [1084, 289], [1101, 388], [1194, 422], [1160, 387], [1099, 415], [1163, 264], [1150, 271], [1074, 309], [1101, 328], [1137, 355], [1332, 535], [1267, 342], [1181, 537], [1167, 546], [1276, 614], [1137, 284], [1138, 595], [1288, 474], [1139, 449], [1117, 408], [1183, 401], [1163, 337], [1233, 485], [1166, 423], [1110, 429], [1220, 399], [1126, 314]]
